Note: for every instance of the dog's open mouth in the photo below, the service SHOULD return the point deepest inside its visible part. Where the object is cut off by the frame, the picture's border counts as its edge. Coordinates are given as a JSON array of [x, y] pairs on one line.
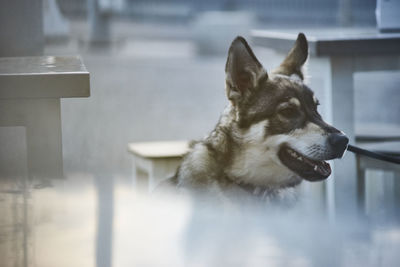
[[309, 169]]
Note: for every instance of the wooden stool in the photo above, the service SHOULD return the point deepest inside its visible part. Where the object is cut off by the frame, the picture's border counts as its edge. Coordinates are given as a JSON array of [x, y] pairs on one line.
[[155, 161]]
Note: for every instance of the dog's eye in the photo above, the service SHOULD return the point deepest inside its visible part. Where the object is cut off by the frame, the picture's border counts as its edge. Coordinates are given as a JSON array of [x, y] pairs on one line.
[[288, 112]]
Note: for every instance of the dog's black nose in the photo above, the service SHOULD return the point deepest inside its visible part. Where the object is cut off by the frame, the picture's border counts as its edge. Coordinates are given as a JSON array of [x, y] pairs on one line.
[[338, 142]]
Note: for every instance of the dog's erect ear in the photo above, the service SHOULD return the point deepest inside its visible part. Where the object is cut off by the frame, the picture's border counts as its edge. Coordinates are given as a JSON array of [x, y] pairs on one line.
[[243, 70], [295, 59]]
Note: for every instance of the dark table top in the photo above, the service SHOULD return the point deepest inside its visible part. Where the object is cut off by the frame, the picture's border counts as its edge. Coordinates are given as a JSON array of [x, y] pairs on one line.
[[332, 41]]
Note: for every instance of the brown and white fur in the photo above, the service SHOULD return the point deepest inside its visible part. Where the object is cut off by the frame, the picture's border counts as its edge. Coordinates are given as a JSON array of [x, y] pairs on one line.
[[270, 136]]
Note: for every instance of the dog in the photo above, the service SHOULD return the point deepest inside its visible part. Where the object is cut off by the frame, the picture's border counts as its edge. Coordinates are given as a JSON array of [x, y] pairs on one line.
[[270, 136]]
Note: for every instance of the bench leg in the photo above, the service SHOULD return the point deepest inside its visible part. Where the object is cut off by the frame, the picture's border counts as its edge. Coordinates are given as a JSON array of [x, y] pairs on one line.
[[42, 120]]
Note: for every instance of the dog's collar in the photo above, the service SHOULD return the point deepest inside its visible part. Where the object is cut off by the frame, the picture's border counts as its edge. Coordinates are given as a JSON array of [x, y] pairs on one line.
[[257, 191], [263, 191]]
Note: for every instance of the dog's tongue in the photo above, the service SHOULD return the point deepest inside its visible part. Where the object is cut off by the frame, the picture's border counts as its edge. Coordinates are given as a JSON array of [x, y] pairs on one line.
[[311, 170], [323, 170]]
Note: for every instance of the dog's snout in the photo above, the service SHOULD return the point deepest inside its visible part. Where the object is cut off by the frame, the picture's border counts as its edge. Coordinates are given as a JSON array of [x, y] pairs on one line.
[[338, 142]]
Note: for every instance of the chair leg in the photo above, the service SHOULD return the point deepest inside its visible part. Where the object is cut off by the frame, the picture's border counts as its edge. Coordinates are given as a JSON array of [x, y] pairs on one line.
[[360, 186], [396, 188]]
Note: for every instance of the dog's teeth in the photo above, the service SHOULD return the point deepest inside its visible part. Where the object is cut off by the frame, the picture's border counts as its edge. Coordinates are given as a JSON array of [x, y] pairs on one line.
[[315, 168], [300, 158]]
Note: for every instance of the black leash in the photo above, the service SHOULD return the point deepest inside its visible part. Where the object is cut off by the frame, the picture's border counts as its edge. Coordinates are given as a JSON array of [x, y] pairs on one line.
[[375, 155]]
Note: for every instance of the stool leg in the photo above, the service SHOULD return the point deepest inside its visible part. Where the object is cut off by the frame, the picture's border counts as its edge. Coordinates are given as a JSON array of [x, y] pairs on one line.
[[134, 175], [156, 174], [162, 169], [140, 176]]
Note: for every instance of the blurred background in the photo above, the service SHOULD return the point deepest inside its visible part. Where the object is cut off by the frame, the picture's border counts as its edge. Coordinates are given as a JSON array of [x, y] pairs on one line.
[[160, 73], [157, 74]]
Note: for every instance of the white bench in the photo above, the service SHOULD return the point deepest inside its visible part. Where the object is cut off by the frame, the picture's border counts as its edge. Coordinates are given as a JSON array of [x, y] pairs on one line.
[[30, 93], [155, 161]]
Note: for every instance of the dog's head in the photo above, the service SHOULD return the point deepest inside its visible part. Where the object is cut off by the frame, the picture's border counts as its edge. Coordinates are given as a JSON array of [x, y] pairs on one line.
[[283, 137]]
